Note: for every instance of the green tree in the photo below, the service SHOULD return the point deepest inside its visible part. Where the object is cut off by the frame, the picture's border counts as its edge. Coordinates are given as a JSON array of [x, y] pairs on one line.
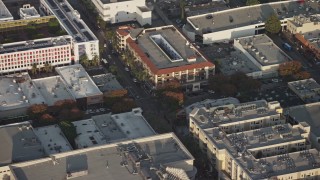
[[95, 60], [84, 60], [34, 68], [182, 6], [47, 67], [113, 69], [273, 24], [69, 130], [252, 2]]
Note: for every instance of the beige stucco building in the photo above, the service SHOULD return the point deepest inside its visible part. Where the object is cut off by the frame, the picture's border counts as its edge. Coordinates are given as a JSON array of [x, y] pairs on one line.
[[303, 24], [252, 141]]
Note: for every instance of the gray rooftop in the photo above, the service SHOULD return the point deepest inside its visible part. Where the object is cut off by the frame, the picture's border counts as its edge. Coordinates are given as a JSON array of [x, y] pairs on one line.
[[17, 91], [34, 44], [71, 21], [302, 19], [210, 7], [248, 15], [107, 82], [52, 89], [129, 125], [237, 62], [52, 139], [307, 88], [112, 161], [208, 117], [88, 134], [29, 12], [78, 81], [263, 49], [178, 42], [4, 12], [308, 113], [19, 143]]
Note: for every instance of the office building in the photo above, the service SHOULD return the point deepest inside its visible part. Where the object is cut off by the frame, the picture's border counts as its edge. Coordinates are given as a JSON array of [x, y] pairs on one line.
[[233, 23], [117, 11], [153, 157], [165, 54], [263, 53], [308, 90]]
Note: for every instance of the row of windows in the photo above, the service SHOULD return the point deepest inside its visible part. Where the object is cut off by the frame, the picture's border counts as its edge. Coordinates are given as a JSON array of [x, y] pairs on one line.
[[8, 67]]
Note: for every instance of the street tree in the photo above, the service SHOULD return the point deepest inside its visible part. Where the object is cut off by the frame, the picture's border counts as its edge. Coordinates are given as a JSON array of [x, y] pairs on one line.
[[273, 24], [34, 68], [84, 60], [302, 75], [289, 68]]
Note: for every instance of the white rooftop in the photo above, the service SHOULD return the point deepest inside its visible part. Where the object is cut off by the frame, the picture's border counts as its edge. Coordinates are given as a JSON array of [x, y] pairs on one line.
[[27, 12], [52, 89], [78, 81], [5, 14], [129, 125], [88, 134], [52, 139], [263, 49]]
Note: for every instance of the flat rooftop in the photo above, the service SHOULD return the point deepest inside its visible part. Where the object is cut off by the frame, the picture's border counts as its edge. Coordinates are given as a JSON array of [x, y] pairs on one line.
[[74, 25], [52, 89], [129, 125], [29, 12], [306, 88], [263, 49], [308, 113], [237, 62], [18, 91], [248, 15], [34, 44], [78, 81], [52, 139], [153, 43], [88, 134], [114, 161], [107, 82], [4, 12], [241, 145], [113, 1], [210, 7], [209, 117], [19, 143]]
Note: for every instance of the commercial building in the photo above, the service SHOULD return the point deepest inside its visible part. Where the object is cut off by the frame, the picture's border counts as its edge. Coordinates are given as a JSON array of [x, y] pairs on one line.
[[308, 90], [204, 8], [165, 54], [27, 12], [52, 139], [52, 89], [17, 93], [80, 85], [153, 157], [252, 141], [243, 21], [108, 128], [239, 62], [84, 42], [117, 11], [308, 113], [303, 24], [262, 52], [19, 143], [5, 14], [109, 85]]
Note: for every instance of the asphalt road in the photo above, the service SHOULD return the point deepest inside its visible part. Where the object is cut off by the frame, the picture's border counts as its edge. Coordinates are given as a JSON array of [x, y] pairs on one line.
[[310, 67]]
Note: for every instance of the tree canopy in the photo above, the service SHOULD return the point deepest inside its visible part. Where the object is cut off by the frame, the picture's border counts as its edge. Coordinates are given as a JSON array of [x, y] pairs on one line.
[[273, 24], [289, 68]]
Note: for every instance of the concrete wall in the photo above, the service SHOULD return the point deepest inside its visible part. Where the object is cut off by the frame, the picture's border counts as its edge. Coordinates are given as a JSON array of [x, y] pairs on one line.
[[144, 18]]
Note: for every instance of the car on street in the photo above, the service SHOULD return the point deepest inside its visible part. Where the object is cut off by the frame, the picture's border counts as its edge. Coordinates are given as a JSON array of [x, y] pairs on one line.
[[134, 80], [178, 21], [109, 56], [127, 69]]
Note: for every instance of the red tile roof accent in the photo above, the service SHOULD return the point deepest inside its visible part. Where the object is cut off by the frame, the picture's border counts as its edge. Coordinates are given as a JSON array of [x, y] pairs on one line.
[[124, 30], [158, 71]]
